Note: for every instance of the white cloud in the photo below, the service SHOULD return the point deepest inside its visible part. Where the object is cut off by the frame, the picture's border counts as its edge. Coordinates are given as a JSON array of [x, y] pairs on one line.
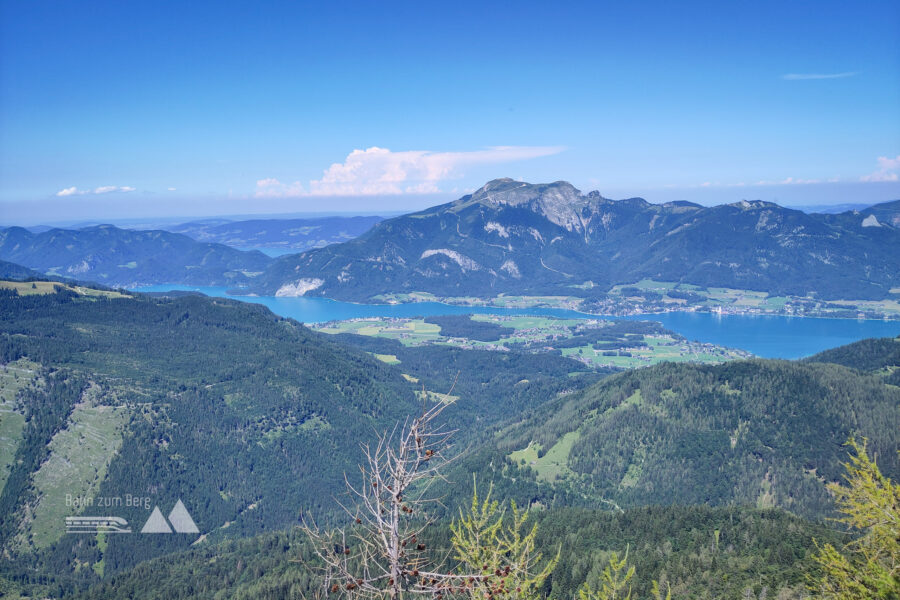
[[106, 189], [880, 176], [792, 181], [891, 164], [887, 170], [809, 76], [764, 182], [381, 171], [786, 181], [103, 189], [272, 188], [171, 189]]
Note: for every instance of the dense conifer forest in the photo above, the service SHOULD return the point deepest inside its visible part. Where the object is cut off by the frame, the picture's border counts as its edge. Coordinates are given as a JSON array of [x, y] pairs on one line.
[[712, 477]]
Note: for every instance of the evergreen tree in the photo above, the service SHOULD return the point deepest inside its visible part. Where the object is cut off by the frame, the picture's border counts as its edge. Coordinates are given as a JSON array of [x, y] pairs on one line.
[[501, 548], [869, 567]]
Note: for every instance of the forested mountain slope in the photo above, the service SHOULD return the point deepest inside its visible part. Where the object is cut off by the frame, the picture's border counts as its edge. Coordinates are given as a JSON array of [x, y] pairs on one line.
[[245, 416], [517, 238], [701, 552], [120, 257], [759, 432], [9, 270], [880, 356], [251, 419]]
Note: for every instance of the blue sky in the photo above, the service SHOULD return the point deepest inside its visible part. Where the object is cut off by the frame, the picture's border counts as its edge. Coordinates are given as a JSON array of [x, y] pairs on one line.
[[118, 109]]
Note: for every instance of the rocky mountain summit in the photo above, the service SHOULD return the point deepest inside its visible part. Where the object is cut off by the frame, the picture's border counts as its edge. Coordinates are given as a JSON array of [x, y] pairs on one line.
[[518, 238]]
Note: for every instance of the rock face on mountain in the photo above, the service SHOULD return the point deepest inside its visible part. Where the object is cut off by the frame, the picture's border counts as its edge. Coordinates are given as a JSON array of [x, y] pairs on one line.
[[119, 257], [518, 238]]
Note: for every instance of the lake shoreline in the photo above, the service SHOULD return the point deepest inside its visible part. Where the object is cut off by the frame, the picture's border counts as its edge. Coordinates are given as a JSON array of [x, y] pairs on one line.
[[573, 305], [764, 335]]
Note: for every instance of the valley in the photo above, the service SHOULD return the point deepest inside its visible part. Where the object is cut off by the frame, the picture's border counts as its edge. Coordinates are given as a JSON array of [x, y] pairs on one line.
[[595, 370], [449, 301], [107, 394]]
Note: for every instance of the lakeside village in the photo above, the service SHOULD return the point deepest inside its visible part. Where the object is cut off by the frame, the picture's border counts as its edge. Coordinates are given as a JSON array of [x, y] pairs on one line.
[[649, 297]]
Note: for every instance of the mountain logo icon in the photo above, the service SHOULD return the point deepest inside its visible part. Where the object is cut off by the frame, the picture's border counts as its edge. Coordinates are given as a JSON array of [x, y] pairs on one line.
[[180, 519], [156, 523]]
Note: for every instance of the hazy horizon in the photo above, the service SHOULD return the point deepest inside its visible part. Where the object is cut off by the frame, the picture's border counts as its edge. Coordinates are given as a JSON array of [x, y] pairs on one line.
[[114, 110], [177, 211]]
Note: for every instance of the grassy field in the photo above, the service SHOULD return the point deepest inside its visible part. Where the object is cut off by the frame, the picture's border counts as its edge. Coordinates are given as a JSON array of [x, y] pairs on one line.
[[886, 306], [529, 322], [13, 377], [390, 359], [409, 332], [79, 457], [648, 285], [436, 396], [27, 288], [635, 469], [553, 465], [502, 300], [404, 298], [538, 334], [660, 348]]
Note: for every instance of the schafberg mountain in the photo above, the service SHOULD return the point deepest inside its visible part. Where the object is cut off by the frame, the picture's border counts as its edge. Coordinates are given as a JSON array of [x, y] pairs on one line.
[[518, 238], [119, 257]]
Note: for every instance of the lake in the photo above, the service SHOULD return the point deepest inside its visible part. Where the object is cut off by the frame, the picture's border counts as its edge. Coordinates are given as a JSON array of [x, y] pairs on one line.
[[766, 336]]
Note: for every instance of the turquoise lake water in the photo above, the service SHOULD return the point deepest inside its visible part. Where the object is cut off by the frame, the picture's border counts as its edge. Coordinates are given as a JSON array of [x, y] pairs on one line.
[[766, 336]]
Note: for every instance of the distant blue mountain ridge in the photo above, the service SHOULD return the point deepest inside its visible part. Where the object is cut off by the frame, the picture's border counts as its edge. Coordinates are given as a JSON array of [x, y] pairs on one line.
[[509, 237]]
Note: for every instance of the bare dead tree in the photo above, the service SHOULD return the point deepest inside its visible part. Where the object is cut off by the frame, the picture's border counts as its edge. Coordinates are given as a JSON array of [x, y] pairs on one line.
[[381, 553]]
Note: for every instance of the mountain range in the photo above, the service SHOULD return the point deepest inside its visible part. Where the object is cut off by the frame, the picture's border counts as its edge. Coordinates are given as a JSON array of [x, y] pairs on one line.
[[288, 235], [518, 238], [121, 257], [509, 237]]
